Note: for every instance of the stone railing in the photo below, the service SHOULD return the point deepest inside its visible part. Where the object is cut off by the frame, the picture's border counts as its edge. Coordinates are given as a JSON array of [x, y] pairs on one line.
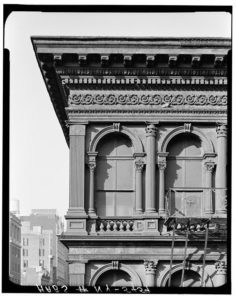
[[115, 225]]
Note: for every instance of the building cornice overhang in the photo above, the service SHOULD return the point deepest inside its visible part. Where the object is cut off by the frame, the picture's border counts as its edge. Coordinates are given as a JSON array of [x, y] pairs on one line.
[[74, 63]]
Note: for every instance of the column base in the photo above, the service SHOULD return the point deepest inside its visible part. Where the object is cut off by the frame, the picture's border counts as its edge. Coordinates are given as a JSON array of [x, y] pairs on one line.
[[162, 213], [138, 212], [76, 220], [92, 213], [151, 211], [220, 214]]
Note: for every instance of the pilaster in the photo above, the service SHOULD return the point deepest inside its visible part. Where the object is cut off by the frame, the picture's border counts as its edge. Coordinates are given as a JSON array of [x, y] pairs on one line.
[[221, 174]]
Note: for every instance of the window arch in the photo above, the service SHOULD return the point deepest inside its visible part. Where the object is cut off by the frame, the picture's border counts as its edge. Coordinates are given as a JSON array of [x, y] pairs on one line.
[[184, 175], [114, 183]]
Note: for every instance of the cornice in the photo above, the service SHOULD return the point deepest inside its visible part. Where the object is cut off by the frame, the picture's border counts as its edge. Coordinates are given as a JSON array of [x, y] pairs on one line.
[[141, 64]]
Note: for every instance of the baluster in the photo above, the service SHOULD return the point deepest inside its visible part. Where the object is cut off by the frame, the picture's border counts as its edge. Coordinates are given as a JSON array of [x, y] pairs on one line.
[[108, 226], [121, 225], [115, 227], [101, 227], [127, 226]]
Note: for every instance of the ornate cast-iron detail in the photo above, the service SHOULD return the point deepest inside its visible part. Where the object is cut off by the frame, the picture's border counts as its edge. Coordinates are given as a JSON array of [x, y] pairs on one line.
[[156, 99]]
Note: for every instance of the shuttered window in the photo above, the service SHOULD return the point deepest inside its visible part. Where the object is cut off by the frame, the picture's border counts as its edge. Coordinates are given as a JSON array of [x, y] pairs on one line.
[[114, 176]]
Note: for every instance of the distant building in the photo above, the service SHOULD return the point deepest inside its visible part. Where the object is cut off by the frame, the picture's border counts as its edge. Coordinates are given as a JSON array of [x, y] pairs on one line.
[[47, 220], [14, 248], [36, 251], [62, 264], [32, 276]]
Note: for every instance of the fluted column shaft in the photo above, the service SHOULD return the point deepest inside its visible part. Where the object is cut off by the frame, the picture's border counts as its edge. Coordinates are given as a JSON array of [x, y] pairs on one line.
[[221, 176], [92, 166], [208, 200], [138, 186], [162, 166], [150, 169]]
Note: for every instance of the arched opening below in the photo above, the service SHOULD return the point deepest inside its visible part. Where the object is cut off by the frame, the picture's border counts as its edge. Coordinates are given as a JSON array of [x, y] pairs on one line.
[[114, 278], [191, 279]]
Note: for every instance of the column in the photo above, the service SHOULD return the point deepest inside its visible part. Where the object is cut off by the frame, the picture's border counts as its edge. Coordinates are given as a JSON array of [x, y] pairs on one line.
[[150, 272], [208, 209], [162, 166], [77, 170], [138, 186], [77, 274], [92, 166], [150, 169], [221, 273], [221, 176]]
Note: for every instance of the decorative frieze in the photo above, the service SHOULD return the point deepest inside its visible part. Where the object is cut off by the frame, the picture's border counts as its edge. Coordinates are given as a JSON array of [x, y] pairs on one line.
[[66, 71], [147, 99]]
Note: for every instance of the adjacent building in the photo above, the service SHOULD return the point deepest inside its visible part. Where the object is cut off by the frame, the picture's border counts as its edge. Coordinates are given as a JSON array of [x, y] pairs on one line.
[[145, 120], [14, 248], [40, 245]]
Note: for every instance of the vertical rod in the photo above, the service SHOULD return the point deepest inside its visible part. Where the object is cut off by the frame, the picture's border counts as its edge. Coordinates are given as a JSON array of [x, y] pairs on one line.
[[204, 255], [184, 261], [172, 253]]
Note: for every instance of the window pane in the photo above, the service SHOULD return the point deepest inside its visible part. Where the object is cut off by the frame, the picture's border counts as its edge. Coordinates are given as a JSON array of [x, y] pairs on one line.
[[125, 180], [105, 204], [124, 203]]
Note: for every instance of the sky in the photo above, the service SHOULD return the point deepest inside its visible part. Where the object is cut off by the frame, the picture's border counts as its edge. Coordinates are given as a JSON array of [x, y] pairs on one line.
[[39, 155]]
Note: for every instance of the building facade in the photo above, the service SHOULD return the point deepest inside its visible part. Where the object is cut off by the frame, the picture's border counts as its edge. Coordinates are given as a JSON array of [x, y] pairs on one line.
[[146, 124], [14, 248]]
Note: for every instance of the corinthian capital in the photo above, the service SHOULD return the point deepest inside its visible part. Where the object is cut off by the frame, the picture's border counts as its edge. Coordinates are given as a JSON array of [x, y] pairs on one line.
[[221, 130], [221, 267], [139, 165], [210, 166], [92, 165], [151, 130], [150, 265]]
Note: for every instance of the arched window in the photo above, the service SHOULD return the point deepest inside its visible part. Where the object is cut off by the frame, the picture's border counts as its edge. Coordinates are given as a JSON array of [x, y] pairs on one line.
[[191, 279], [114, 278], [184, 175], [114, 180]]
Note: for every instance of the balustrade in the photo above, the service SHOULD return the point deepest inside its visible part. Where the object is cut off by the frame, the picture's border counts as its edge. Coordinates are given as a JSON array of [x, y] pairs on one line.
[[115, 225]]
